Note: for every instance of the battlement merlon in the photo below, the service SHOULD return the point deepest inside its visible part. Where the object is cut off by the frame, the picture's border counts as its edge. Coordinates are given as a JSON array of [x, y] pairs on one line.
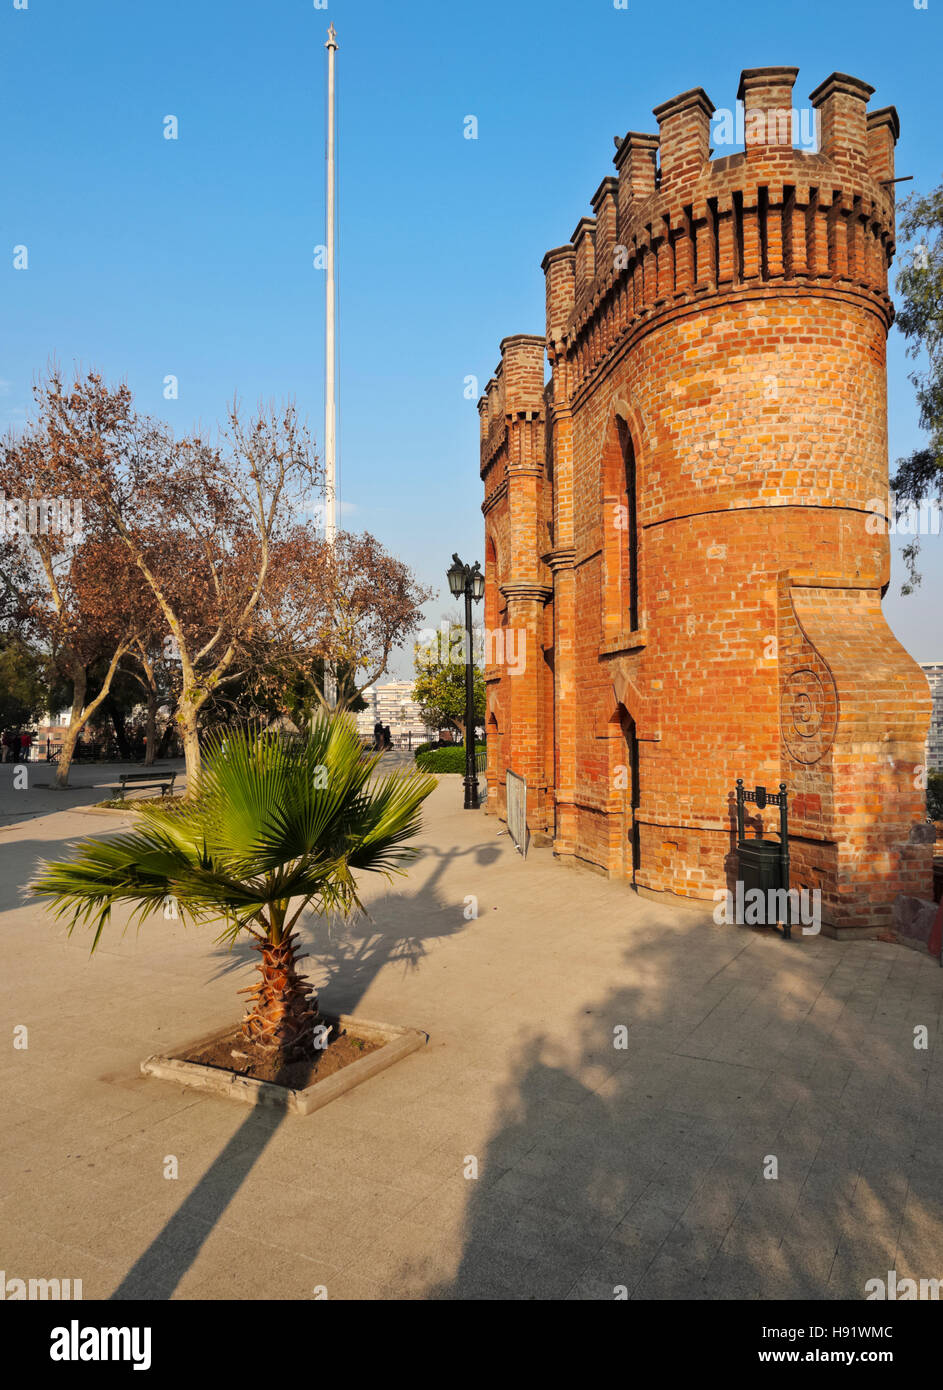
[[605, 204], [484, 419], [841, 102], [493, 426], [636, 159], [766, 94], [883, 134], [583, 238], [559, 268], [491, 406], [684, 137]]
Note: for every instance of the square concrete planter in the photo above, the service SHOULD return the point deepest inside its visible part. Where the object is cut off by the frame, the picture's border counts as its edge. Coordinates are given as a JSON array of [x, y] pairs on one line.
[[396, 1043]]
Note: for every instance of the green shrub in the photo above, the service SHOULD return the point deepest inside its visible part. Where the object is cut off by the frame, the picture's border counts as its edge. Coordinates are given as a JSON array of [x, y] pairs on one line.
[[443, 759]]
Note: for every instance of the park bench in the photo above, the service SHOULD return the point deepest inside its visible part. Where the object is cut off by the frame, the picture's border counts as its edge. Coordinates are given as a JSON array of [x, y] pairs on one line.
[[143, 780]]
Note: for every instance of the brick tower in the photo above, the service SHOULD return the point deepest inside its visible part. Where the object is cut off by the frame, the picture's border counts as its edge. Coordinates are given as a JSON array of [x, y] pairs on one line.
[[681, 552]]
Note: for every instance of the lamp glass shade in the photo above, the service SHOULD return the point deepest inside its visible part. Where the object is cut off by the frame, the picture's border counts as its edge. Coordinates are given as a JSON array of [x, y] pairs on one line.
[[456, 578], [478, 584]]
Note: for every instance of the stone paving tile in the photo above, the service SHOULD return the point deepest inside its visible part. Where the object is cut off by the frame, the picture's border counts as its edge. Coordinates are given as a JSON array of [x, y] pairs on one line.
[[232, 1266], [153, 1258], [767, 1272], [28, 1254], [650, 1216], [412, 1261], [866, 1251], [670, 1278], [599, 1165], [590, 1290], [624, 1257]]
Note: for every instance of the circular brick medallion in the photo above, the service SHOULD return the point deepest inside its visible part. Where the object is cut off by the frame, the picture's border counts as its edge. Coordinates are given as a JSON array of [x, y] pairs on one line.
[[807, 715]]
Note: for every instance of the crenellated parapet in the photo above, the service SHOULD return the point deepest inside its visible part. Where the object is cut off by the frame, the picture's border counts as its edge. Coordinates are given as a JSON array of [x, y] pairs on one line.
[[676, 227]]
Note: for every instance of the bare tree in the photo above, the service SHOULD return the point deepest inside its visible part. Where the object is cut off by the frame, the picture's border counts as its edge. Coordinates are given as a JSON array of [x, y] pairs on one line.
[[66, 574], [349, 605], [200, 522]]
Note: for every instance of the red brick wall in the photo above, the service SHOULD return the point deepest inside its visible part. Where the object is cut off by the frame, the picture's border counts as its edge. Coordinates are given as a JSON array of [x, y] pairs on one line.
[[732, 336]]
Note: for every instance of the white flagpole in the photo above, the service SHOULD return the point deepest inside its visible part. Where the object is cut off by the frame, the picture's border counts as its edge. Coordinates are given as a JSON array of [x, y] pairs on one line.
[[330, 409]]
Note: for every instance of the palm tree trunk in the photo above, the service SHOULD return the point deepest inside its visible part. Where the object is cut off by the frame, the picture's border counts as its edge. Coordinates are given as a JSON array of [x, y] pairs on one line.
[[283, 1011]]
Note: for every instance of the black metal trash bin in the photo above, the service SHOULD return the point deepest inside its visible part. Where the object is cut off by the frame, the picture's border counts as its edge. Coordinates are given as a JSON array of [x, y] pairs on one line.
[[760, 865], [764, 864]]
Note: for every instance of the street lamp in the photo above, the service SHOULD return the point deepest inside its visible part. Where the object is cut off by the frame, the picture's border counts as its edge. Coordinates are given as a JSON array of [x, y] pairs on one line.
[[468, 580]]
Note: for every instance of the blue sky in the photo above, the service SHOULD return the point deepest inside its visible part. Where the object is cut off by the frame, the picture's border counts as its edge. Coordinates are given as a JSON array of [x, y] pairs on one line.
[[193, 257]]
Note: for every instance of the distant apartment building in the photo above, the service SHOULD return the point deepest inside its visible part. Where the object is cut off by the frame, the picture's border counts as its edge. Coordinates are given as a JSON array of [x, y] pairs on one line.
[[933, 670], [393, 704]]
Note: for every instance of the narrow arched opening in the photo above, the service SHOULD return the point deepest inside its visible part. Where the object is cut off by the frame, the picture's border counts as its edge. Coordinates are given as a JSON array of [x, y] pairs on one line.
[[631, 840], [629, 566]]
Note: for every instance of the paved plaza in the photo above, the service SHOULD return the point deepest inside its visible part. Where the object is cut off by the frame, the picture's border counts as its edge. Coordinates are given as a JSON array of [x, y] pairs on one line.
[[620, 1074]]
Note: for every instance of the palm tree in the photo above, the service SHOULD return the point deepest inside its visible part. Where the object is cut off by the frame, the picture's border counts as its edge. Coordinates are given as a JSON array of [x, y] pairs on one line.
[[277, 826]]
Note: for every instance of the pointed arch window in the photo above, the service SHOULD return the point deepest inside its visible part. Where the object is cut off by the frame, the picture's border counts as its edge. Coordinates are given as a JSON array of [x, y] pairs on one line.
[[629, 566], [621, 595]]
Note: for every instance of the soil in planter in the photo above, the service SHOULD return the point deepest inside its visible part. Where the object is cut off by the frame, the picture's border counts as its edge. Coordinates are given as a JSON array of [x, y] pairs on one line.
[[250, 1060]]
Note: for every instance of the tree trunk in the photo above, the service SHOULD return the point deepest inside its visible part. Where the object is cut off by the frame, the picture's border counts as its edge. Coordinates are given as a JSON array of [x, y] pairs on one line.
[[76, 720], [188, 722], [150, 728], [80, 715], [117, 720], [67, 750], [283, 1012]]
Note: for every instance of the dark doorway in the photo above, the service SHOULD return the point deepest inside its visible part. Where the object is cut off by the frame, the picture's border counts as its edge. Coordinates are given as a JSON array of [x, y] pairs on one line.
[[632, 795]]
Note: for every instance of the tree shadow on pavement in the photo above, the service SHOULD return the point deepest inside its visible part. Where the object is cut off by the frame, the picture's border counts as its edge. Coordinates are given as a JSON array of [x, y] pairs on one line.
[[633, 1154]]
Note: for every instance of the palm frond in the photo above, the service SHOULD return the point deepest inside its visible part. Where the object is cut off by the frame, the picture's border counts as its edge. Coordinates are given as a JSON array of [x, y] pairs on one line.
[[275, 822]]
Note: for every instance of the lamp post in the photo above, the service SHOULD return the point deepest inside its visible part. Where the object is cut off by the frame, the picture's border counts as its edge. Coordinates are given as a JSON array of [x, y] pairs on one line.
[[468, 580]]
